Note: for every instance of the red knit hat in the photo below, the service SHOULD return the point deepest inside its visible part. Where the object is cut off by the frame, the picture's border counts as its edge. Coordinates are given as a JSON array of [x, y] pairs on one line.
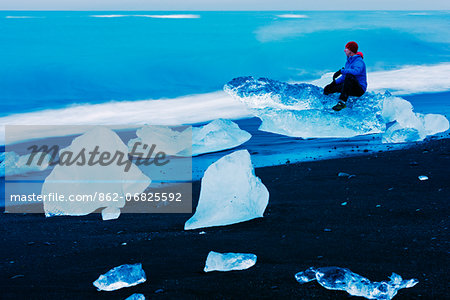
[[352, 46]]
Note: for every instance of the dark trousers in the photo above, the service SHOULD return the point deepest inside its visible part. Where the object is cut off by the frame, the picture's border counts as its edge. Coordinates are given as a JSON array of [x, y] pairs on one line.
[[349, 87]]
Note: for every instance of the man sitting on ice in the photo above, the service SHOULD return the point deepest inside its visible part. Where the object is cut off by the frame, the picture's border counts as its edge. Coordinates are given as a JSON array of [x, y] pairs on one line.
[[353, 81]]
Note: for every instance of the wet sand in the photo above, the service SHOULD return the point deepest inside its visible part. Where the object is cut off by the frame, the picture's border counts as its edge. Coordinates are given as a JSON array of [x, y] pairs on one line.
[[392, 222]]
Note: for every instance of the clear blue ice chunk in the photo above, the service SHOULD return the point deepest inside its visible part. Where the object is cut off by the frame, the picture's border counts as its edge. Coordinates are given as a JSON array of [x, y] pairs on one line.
[[218, 135], [230, 193], [120, 277], [136, 296], [229, 261], [335, 278]]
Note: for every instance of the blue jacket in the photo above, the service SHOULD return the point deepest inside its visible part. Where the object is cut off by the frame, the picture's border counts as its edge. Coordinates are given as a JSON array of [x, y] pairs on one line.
[[355, 65]]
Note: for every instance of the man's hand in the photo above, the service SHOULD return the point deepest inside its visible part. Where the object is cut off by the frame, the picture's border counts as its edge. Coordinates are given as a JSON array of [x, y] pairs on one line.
[[337, 74]]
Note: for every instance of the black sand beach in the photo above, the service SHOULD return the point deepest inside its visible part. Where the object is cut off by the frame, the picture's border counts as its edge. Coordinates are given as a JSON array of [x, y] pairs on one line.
[[392, 222]]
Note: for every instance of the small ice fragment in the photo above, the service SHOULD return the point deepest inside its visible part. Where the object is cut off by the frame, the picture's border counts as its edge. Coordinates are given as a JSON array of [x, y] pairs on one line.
[[327, 230], [17, 276], [378, 205], [136, 296], [120, 277], [202, 232], [159, 291], [344, 203], [110, 213], [335, 278], [351, 176], [423, 177], [124, 244], [342, 174], [229, 261]]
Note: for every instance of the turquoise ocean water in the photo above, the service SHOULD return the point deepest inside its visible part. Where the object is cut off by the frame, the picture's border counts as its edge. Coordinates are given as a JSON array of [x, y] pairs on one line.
[[57, 59]]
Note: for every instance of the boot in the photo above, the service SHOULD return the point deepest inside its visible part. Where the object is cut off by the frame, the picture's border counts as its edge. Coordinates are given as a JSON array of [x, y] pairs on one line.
[[341, 105]]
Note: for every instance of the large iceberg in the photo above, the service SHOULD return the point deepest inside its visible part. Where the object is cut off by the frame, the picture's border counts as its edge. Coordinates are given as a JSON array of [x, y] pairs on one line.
[[301, 110], [120, 277], [230, 193], [218, 135], [89, 185], [335, 278], [229, 261]]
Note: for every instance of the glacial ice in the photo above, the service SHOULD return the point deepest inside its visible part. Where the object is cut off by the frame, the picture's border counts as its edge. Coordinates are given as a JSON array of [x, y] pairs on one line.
[[105, 185], [165, 138], [335, 278], [120, 277], [230, 193], [218, 135], [136, 296], [13, 164], [110, 213], [409, 126], [398, 134], [229, 261], [264, 92], [301, 110]]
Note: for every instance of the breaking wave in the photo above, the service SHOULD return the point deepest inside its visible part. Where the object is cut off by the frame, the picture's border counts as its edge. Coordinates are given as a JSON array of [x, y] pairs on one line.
[[177, 16]]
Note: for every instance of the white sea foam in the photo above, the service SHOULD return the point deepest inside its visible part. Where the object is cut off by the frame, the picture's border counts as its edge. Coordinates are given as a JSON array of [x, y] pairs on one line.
[[418, 14], [292, 16], [291, 28], [177, 16], [23, 17], [406, 80], [130, 114], [108, 16], [170, 16]]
